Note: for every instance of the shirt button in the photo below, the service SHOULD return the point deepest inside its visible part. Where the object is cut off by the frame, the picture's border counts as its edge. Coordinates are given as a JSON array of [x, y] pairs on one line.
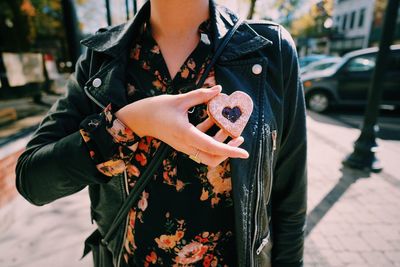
[[170, 89], [256, 69], [96, 82]]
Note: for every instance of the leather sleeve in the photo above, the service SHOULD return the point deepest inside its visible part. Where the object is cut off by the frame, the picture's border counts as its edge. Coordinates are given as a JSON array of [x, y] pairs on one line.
[[289, 201], [56, 161]]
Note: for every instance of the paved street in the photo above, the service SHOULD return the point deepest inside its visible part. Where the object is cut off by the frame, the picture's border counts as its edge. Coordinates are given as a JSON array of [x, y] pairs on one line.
[[29, 115], [389, 121], [353, 217], [48, 236]]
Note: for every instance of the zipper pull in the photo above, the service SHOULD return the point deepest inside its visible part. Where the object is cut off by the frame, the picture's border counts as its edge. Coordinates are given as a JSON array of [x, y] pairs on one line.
[[264, 242], [274, 135]]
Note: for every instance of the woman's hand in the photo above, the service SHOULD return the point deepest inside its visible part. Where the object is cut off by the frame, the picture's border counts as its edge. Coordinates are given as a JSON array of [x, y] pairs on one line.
[[165, 117]]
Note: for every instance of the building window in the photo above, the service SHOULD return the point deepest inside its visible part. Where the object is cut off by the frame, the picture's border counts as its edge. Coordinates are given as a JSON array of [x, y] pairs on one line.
[[344, 22], [361, 18], [352, 19], [337, 22]]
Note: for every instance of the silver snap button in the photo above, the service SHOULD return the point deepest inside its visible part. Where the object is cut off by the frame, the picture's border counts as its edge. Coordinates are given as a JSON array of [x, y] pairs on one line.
[[256, 69], [96, 82]]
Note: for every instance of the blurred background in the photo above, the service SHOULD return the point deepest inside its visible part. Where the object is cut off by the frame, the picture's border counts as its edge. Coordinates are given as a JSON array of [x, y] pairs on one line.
[[349, 55]]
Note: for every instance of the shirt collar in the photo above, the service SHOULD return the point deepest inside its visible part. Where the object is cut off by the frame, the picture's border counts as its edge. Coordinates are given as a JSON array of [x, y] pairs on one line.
[[146, 55]]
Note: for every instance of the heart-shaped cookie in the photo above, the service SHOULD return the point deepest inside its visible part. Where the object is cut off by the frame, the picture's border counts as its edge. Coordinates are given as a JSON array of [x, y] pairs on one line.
[[232, 112]]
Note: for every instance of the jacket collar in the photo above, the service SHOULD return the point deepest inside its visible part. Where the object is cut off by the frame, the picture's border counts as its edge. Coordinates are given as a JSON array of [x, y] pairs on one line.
[[116, 40]]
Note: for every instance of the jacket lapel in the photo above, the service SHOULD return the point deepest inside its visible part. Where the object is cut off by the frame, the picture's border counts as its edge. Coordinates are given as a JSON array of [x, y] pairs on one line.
[[244, 41]]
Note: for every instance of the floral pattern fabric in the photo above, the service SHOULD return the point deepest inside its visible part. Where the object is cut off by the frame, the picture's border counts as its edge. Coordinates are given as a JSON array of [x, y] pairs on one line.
[[184, 217], [120, 139]]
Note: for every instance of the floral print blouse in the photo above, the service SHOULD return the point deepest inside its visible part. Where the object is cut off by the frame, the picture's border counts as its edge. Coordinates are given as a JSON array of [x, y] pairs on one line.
[[185, 215]]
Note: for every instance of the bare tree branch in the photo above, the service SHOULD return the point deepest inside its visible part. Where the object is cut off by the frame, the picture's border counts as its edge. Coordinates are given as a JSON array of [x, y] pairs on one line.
[[252, 9]]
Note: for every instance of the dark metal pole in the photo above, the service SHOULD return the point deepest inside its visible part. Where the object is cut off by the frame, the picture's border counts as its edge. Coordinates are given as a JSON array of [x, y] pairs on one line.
[[72, 31], [363, 156], [127, 9], [3, 78], [134, 7], [108, 10]]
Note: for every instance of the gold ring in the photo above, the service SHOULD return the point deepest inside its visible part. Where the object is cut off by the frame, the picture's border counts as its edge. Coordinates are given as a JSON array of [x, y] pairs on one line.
[[195, 158]]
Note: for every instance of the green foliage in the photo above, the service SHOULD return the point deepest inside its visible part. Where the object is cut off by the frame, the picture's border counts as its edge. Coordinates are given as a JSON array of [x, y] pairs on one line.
[[29, 22], [48, 18], [311, 24], [286, 9]]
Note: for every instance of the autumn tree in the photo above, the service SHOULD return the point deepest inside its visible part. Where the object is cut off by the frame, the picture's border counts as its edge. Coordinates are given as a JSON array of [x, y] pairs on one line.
[[379, 12], [312, 23], [28, 22], [14, 31], [251, 9], [286, 9]]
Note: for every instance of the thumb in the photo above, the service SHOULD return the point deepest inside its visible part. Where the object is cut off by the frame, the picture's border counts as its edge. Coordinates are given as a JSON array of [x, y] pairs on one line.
[[200, 96]]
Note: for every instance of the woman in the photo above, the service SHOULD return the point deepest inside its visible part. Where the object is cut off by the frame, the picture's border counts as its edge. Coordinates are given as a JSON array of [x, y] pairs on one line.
[[210, 202]]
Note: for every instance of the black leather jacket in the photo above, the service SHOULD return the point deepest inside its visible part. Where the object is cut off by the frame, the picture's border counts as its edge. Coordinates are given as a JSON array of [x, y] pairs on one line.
[[269, 188]]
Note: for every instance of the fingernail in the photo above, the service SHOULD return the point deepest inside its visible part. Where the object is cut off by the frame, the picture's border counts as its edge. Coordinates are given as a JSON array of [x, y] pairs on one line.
[[217, 88], [239, 140]]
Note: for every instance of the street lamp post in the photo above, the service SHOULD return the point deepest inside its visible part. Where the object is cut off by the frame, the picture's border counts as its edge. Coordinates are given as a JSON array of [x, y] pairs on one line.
[[108, 10], [72, 32], [127, 9], [134, 7], [363, 156]]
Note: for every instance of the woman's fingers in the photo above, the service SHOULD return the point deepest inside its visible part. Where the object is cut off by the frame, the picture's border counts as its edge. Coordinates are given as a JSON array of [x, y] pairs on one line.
[[221, 136], [207, 157], [212, 146], [199, 96], [213, 160], [236, 141], [205, 125]]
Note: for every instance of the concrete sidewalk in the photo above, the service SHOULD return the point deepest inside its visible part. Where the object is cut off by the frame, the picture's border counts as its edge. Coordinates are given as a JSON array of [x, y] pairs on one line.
[[28, 113], [353, 217]]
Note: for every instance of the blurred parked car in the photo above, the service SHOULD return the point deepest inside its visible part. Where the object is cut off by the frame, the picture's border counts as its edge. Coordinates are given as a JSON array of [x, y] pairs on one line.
[[321, 65], [347, 82], [306, 60]]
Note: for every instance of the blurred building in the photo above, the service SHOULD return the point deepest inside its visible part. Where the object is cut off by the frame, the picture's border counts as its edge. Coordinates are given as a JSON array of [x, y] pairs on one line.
[[376, 28], [352, 21], [358, 24]]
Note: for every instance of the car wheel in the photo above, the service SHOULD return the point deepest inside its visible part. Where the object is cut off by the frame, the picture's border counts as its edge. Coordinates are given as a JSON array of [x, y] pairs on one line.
[[318, 101]]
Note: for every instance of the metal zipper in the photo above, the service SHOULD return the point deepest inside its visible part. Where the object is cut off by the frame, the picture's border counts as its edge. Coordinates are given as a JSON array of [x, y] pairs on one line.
[[274, 135], [256, 212], [126, 222], [265, 240], [259, 187], [85, 88]]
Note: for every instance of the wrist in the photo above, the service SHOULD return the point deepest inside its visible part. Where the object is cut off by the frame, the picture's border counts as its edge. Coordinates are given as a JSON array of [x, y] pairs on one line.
[[128, 118]]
